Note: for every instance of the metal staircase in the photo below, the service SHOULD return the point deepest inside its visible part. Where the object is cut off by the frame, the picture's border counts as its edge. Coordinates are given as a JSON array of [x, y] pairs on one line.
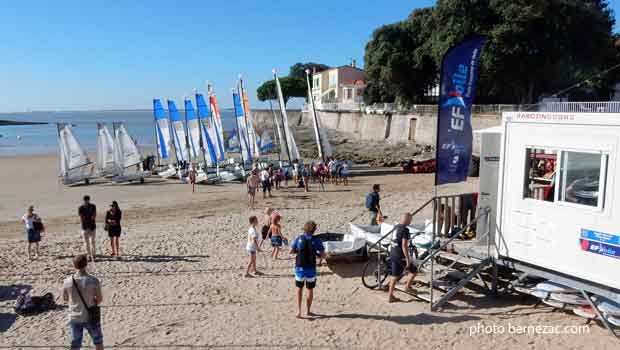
[[445, 271]]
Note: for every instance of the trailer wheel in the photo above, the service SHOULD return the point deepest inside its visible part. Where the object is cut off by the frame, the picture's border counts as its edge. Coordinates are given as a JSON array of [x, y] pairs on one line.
[[141, 180]]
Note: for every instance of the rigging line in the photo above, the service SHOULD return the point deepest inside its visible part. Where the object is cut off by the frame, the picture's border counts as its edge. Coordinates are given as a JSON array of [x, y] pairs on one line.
[[585, 80]]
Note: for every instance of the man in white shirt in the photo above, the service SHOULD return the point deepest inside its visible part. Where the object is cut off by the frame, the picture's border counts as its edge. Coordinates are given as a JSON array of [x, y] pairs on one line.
[[265, 180]]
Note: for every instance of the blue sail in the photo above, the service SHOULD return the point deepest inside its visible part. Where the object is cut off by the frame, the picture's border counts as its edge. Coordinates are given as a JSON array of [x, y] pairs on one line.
[[208, 132], [179, 132], [193, 129], [245, 148], [162, 129]]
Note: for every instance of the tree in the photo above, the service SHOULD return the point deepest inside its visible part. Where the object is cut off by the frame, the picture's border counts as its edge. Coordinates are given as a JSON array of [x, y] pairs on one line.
[[398, 62], [291, 87], [534, 48], [299, 69]]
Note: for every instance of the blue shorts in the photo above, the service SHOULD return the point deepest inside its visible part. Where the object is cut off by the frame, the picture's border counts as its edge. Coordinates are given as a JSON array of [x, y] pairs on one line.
[[276, 241], [305, 276], [77, 332], [34, 236]]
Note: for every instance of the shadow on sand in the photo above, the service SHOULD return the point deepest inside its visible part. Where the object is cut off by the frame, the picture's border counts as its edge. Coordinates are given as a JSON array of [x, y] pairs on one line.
[[419, 319]]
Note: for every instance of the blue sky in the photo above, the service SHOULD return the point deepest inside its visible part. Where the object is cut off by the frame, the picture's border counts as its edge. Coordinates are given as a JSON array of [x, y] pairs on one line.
[[118, 54]]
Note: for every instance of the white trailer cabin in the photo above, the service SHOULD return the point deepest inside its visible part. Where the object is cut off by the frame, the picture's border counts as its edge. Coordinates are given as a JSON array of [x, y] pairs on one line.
[[555, 210]]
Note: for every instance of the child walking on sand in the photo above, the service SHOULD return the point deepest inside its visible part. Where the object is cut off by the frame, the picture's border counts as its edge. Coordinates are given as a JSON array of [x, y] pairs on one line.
[[276, 235], [264, 231], [252, 247]]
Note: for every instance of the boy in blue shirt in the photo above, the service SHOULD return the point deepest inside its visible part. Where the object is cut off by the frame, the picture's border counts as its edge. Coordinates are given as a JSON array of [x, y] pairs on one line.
[[306, 247]]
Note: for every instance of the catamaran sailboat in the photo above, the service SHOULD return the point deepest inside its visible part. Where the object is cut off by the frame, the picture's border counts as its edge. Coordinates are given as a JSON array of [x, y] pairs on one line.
[[105, 151], [179, 138], [164, 141], [196, 143], [74, 164], [126, 156]]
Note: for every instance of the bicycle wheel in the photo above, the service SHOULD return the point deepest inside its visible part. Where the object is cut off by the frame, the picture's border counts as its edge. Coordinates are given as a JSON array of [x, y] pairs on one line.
[[372, 275]]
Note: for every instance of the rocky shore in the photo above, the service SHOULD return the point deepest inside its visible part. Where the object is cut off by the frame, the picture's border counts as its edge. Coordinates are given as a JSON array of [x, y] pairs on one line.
[[13, 122]]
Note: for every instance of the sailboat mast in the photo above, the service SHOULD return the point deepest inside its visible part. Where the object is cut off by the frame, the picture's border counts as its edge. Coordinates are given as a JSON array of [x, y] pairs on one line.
[[316, 122], [284, 127], [187, 145]]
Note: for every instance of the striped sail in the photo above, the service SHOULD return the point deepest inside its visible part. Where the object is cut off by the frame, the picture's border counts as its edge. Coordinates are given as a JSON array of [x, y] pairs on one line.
[[178, 132], [193, 130], [162, 130], [240, 118], [217, 124], [209, 134], [290, 140], [252, 137]]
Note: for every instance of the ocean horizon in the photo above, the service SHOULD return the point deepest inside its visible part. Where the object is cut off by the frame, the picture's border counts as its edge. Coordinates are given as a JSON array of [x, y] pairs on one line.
[[42, 139]]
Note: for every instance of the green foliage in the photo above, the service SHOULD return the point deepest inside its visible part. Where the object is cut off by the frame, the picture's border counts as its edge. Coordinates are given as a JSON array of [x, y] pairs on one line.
[[291, 87], [299, 69], [535, 48]]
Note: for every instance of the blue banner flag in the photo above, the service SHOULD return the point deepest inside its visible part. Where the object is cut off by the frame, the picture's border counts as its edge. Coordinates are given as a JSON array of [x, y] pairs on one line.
[[459, 75]]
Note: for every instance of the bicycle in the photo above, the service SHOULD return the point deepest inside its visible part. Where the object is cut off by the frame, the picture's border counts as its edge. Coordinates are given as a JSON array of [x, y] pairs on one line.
[[374, 274]]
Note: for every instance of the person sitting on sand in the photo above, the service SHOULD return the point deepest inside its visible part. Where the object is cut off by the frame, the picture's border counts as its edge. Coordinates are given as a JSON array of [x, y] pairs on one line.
[[276, 235], [82, 291], [306, 247], [34, 227], [113, 225], [264, 231], [252, 183], [252, 247], [399, 257]]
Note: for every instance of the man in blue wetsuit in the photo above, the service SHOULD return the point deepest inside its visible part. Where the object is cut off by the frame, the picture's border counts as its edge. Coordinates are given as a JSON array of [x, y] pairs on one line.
[[307, 247]]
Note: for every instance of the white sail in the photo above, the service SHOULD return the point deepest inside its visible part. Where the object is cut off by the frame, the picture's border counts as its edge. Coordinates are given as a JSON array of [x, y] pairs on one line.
[[266, 142], [73, 154], [276, 120], [322, 142], [105, 149], [290, 140], [193, 130], [126, 151]]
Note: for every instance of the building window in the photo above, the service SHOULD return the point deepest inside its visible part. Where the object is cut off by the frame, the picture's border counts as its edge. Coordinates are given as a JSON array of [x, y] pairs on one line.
[[348, 93], [333, 78], [582, 178], [316, 84], [540, 176], [568, 177]]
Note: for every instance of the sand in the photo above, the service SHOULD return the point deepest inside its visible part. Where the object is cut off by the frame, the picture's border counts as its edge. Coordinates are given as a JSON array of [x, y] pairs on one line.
[[179, 283]]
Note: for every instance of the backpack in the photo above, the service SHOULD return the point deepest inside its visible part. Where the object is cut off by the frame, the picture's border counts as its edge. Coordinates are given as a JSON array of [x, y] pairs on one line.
[[370, 201], [26, 304], [306, 256]]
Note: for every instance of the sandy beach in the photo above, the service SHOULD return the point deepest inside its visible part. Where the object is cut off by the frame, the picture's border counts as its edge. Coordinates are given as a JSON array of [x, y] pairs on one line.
[[179, 282]]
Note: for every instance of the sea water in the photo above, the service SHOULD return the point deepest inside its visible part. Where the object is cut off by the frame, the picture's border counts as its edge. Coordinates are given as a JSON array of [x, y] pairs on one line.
[[42, 139]]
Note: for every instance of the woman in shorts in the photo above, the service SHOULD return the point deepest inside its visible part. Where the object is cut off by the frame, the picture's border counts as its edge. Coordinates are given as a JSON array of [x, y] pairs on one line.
[[33, 231], [277, 238]]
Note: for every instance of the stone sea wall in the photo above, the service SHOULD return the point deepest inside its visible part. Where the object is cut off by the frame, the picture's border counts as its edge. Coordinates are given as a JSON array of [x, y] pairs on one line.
[[396, 128]]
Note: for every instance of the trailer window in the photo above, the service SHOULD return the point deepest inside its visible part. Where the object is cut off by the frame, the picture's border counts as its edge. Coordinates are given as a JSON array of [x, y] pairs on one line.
[[582, 178], [540, 174]]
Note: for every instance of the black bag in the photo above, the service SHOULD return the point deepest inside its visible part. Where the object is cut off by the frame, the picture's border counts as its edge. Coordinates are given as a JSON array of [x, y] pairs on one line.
[[94, 312], [27, 305], [37, 226], [306, 256]]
